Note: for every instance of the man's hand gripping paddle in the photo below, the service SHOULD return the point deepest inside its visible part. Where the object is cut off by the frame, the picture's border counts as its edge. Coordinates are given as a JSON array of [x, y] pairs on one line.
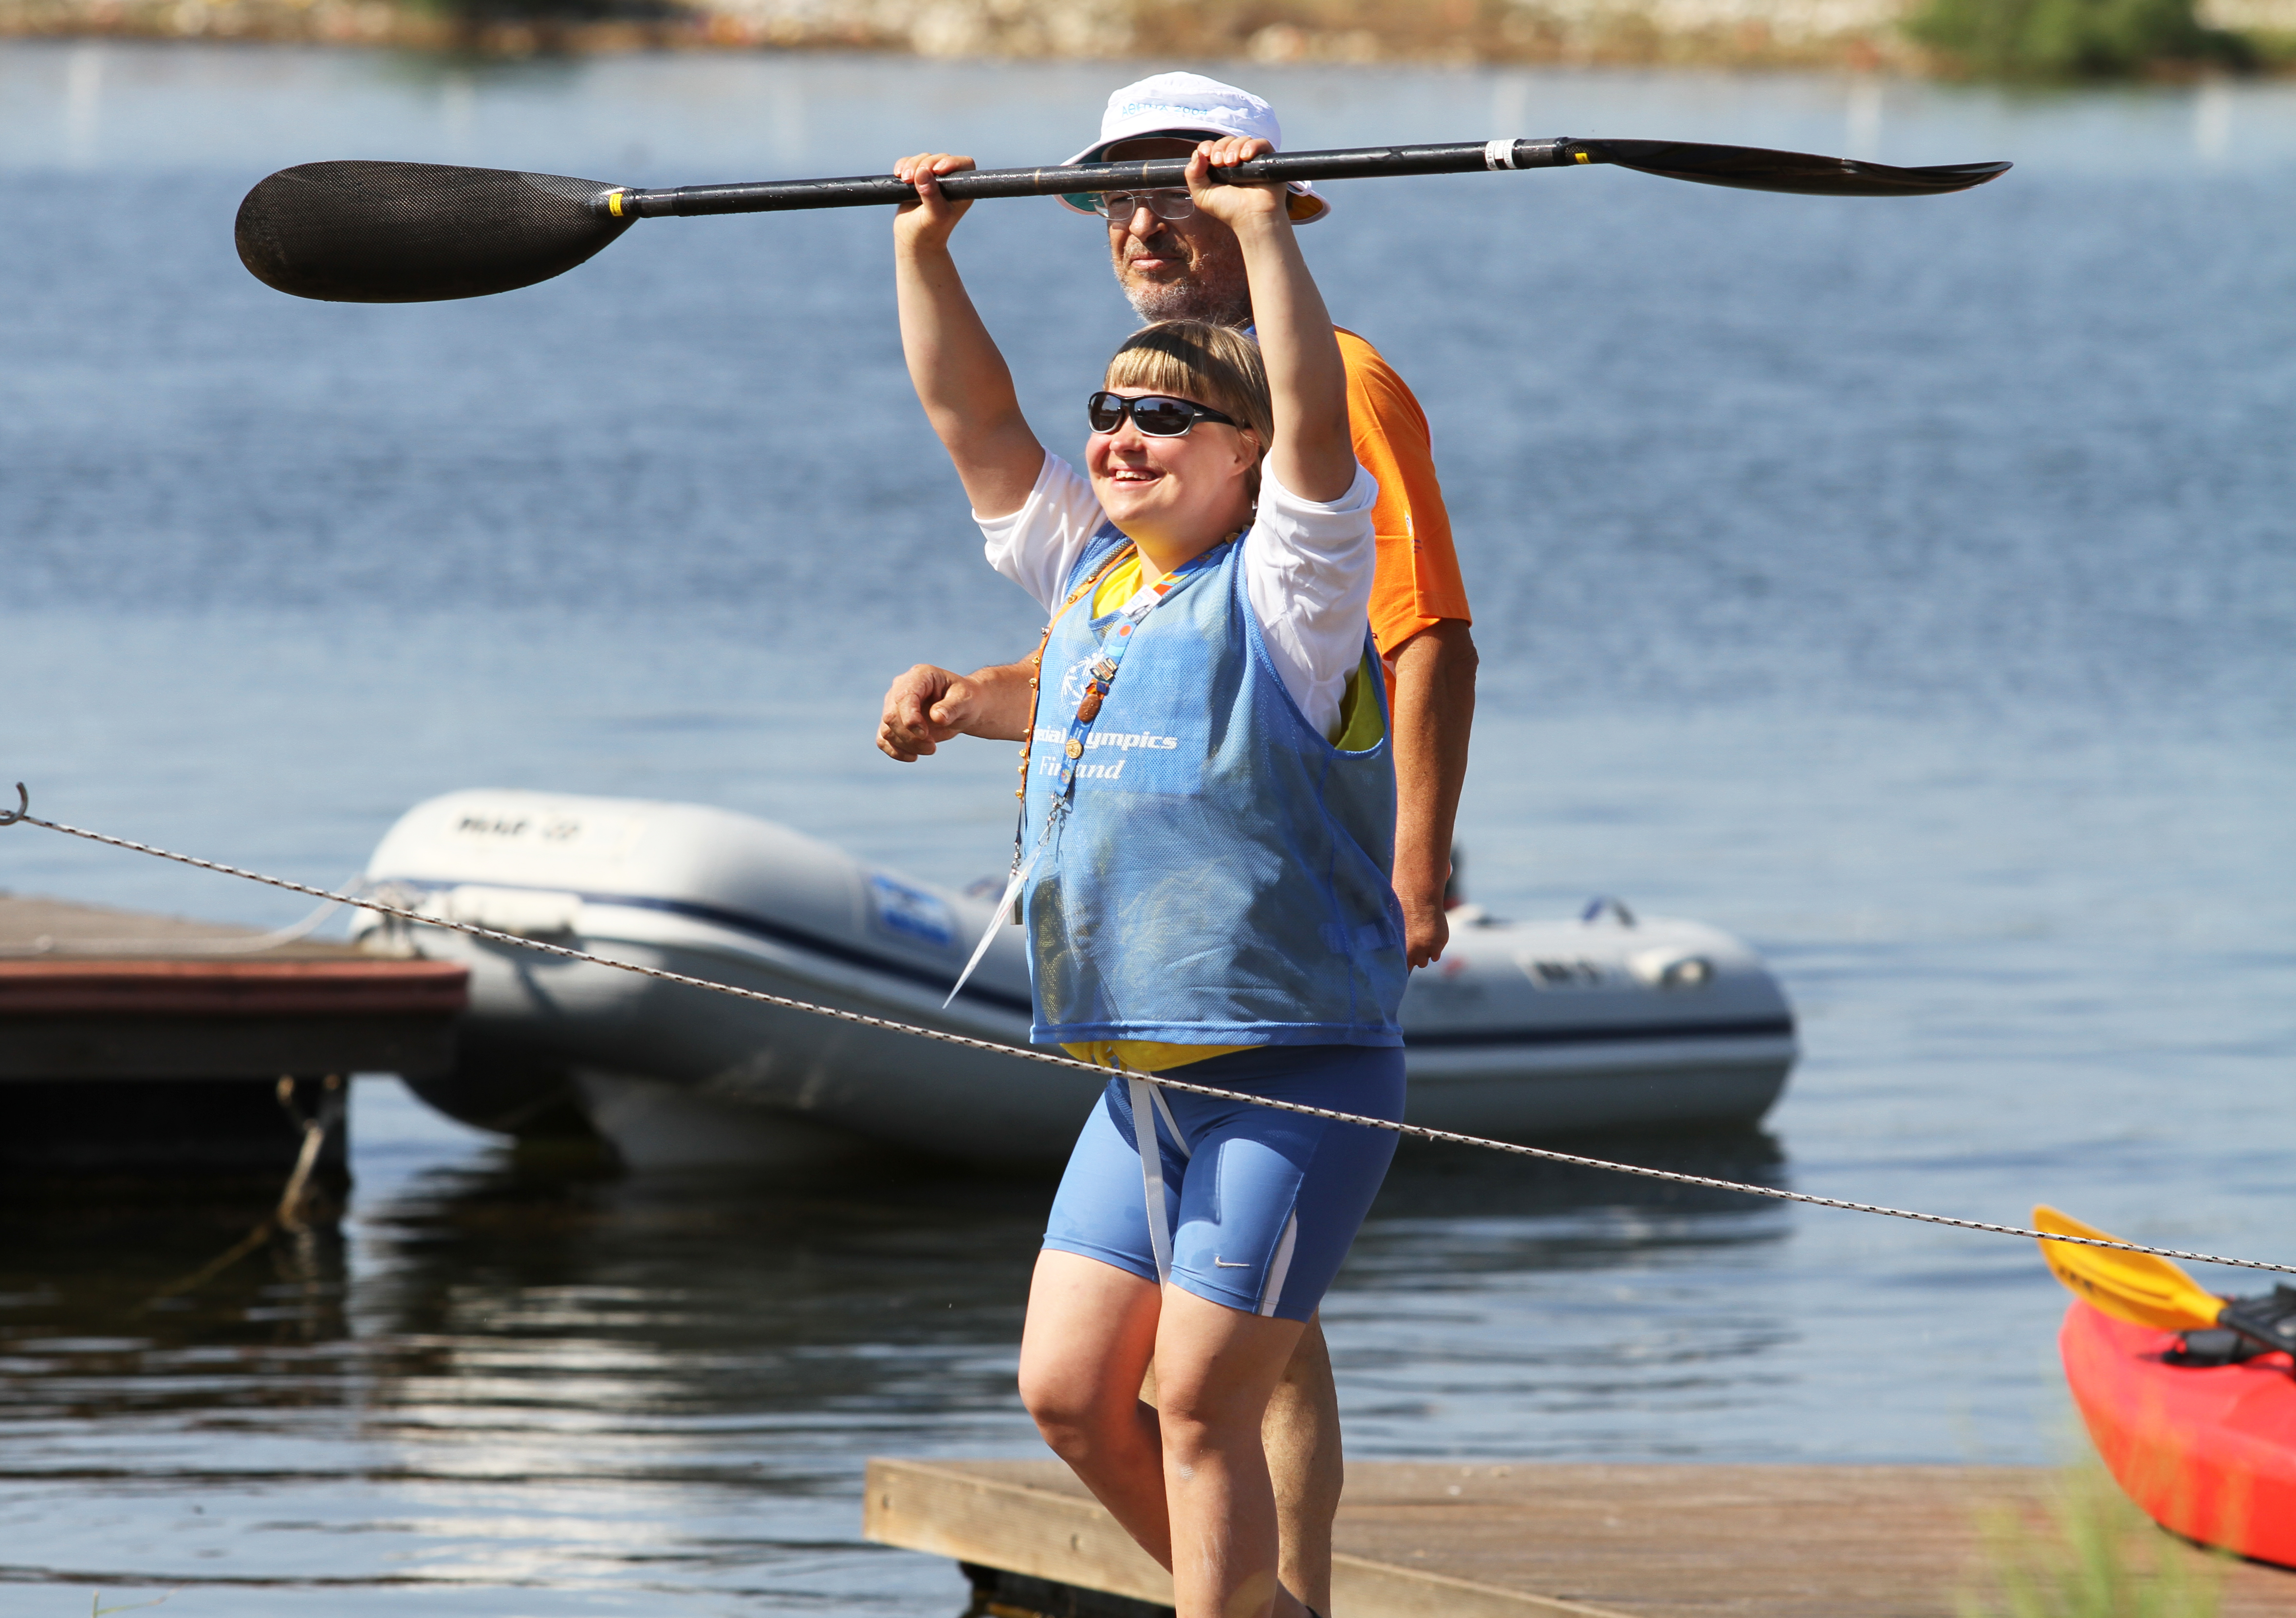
[[415, 233], [2155, 1292]]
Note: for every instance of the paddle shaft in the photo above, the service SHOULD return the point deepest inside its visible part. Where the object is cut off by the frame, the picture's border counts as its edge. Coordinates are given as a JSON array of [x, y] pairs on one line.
[[1161, 174]]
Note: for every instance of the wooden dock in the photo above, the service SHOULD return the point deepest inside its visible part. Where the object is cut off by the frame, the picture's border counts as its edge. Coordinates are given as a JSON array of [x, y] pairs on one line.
[[1435, 1540], [150, 1043]]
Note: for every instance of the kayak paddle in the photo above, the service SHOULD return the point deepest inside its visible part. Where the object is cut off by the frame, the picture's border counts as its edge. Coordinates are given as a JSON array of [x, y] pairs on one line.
[[2148, 1291], [362, 232]]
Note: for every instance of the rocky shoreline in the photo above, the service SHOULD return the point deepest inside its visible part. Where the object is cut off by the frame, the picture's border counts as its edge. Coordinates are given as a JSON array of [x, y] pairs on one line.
[[1860, 35]]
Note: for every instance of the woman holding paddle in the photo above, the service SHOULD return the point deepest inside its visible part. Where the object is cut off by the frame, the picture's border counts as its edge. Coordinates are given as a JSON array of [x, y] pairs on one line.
[[1209, 820]]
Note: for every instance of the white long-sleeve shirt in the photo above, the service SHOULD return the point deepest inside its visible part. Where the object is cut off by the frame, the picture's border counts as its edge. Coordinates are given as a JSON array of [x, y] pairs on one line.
[[1306, 571]]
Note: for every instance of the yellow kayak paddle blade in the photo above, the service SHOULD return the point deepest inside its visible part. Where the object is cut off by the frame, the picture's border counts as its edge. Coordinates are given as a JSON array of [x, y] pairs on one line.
[[2133, 1287]]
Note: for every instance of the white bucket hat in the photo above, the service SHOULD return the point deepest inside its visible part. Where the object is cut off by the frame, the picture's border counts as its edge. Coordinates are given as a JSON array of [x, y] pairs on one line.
[[1185, 105]]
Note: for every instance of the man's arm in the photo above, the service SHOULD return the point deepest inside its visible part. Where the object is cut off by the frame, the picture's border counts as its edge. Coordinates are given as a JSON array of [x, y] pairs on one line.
[[1419, 612], [929, 706], [1434, 710]]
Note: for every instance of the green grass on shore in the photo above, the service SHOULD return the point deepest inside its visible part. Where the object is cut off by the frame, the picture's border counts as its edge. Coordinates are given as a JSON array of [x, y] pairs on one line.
[[2097, 1557], [2072, 40]]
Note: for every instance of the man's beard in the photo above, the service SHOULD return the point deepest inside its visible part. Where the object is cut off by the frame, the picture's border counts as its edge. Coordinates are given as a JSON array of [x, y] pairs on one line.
[[1219, 300]]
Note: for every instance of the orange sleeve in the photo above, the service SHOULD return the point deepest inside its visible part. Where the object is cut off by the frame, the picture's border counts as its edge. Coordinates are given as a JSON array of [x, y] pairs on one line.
[[1417, 583]]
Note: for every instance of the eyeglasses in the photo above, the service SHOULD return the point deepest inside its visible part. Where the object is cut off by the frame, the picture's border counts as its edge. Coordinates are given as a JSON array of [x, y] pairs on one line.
[[1155, 415], [1119, 206]]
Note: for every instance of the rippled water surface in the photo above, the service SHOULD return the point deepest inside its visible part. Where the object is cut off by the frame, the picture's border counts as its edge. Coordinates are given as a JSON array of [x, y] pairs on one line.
[[1907, 586]]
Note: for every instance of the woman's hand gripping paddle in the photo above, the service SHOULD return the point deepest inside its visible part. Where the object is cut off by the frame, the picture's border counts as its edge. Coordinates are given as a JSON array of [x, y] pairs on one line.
[[2148, 1291], [417, 233]]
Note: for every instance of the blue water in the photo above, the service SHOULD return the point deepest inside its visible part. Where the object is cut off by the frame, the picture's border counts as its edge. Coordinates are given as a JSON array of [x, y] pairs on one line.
[[1907, 586]]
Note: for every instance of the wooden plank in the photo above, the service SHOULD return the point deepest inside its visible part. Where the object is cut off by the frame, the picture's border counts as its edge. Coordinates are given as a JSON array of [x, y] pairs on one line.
[[1691, 1541], [1416, 1540], [32, 926], [1033, 1517], [972, 1514], [231, 988], [1363, 1588], [93, 994]]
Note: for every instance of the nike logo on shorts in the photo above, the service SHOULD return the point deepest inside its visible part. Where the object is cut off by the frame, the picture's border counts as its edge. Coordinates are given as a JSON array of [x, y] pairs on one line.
[[1221, 1264]]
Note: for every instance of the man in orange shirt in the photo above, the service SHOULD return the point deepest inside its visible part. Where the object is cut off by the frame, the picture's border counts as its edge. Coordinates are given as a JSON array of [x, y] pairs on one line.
[[1174, 264]]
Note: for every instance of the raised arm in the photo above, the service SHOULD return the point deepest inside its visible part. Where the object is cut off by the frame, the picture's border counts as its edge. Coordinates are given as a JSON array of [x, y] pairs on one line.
[[1313, 455], [961, 379]]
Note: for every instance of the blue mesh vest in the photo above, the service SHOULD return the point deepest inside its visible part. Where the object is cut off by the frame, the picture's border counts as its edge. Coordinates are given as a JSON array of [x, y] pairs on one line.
[[1222, 874]]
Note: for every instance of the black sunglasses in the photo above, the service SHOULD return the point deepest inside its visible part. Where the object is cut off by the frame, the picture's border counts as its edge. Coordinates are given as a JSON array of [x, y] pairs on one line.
[[1155, 415]]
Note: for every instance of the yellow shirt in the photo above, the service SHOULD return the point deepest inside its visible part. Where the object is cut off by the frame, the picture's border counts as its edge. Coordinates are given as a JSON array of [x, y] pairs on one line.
[[1359, 728]]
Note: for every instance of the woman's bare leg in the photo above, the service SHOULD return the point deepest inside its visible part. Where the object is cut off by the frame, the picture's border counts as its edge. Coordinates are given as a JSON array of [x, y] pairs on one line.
[[1091, 1330], [1216, 1368]]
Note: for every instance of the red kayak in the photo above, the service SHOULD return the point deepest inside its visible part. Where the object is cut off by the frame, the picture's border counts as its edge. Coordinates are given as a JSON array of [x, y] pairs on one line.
[[2199, 1428]]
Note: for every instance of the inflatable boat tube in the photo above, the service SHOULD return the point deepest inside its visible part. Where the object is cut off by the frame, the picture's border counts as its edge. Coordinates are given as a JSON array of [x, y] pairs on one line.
[[1524, 1030]]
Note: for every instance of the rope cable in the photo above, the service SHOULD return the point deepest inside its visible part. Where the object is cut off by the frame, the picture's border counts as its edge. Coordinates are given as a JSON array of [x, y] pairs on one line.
[[1419, 1132]]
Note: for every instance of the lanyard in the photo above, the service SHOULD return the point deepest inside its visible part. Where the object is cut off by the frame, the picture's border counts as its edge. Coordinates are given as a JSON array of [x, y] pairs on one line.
[[1035, 678], [1102, 674]]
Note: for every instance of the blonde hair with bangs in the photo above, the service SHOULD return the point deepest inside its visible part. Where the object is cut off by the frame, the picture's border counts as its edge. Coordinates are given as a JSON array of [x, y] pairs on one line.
[[1211, 364]]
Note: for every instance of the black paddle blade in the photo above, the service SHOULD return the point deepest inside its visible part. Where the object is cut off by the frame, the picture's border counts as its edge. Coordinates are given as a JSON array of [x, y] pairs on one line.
[[1753, 168], [415, 232]]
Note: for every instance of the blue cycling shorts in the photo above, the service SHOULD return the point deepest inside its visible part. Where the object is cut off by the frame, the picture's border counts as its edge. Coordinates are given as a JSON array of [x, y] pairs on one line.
[[1260, 1207]]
